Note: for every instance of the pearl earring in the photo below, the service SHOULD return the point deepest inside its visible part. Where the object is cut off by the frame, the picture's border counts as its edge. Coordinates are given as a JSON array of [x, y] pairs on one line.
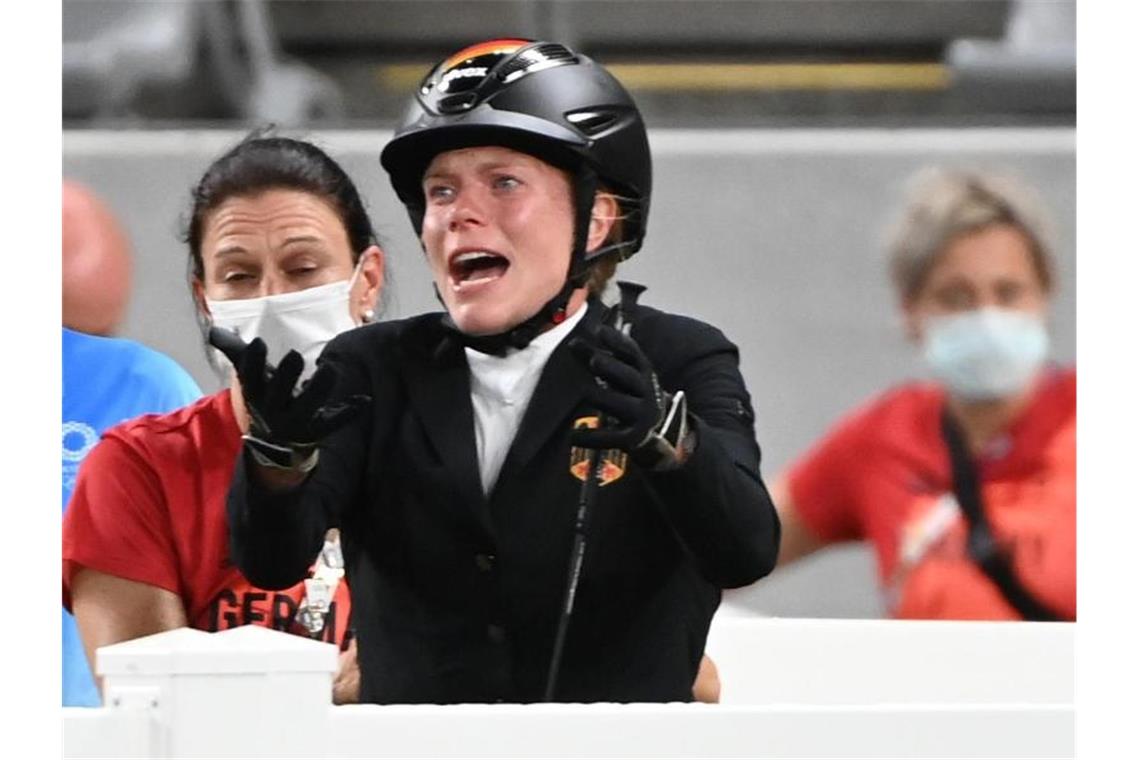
[[368, 315]]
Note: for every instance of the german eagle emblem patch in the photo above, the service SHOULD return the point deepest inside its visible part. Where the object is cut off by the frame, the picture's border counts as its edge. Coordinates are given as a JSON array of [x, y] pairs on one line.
[[612, 462]]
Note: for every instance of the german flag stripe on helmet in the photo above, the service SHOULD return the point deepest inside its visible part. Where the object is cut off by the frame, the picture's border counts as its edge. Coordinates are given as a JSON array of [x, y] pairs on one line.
[[484, 48]]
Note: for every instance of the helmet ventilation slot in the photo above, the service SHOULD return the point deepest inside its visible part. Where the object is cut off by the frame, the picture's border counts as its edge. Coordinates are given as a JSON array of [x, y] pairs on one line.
[[535, 59], [462, 101], [592, 122]]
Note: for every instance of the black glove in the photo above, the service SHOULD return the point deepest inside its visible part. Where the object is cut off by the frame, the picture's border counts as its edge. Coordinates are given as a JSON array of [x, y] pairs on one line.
[[639, 417], [284, 427]]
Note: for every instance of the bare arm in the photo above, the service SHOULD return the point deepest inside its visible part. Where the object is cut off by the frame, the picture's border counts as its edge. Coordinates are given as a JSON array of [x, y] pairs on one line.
[[707, 686], [796, 539], [109, 609], [346, 682]]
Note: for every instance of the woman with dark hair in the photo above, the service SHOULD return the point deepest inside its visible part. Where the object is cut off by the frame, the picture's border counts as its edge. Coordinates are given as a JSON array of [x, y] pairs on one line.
[[281, 248], [539, 497]]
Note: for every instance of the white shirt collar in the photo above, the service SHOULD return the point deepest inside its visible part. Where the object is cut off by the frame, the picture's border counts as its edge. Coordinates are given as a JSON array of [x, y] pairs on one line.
[[501, 389], [500, 375]]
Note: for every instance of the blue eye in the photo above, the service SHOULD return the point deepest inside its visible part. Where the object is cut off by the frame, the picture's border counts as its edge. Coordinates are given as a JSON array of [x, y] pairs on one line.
[[506, 182], [440, 193]]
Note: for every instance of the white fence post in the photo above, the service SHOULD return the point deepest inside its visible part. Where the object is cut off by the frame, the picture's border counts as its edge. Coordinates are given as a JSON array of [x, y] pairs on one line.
[[245, 692]]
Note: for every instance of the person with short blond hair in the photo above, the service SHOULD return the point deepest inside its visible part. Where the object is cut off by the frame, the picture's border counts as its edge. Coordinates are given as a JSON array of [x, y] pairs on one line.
[[965, 484], [948, 203]]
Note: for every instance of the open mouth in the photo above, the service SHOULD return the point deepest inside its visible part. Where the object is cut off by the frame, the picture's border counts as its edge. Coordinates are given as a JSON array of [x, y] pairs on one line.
[[473, 267]]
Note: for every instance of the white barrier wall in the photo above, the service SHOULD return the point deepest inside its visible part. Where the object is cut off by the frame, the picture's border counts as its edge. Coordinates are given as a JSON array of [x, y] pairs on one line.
[[791, 688], [874, 662], [906, 732]]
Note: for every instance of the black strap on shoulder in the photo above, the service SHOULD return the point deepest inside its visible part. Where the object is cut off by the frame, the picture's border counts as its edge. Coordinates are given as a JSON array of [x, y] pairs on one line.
[[985, 551]]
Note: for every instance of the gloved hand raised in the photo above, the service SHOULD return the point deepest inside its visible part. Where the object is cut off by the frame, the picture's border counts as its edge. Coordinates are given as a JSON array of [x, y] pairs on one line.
[[285, 427], [639, 417]]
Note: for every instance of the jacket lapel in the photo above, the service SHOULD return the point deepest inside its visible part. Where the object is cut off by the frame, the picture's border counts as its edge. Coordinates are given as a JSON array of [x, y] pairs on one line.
[[564, 379], [439, 388]]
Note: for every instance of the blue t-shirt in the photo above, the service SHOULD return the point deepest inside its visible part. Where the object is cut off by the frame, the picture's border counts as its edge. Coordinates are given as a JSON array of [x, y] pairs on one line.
[[106, 381]]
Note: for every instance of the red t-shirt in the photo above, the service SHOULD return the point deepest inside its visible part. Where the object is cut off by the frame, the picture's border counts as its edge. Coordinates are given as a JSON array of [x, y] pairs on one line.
[[150, 506], [883, 475]]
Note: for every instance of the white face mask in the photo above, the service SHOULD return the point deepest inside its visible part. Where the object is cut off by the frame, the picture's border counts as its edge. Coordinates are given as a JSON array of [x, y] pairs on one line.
[[303, 321], [987, 353]]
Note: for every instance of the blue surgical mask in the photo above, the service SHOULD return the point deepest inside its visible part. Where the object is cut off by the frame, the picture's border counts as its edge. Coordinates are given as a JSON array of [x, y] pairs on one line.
[[987, 353]]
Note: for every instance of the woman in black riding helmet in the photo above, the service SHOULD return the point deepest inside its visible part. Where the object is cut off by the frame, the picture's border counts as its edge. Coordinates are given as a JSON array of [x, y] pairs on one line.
[[455, 450]]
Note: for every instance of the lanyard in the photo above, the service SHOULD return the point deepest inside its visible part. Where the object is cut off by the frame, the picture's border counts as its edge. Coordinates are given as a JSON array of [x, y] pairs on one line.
[[991, 557]]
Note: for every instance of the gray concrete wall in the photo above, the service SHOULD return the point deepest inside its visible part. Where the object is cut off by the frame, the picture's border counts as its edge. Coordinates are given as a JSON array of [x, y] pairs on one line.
[[772, 235]]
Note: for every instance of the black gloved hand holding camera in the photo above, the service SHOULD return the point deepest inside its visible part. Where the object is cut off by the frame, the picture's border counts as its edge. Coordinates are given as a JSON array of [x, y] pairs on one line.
[[285, 427], [639, 417]]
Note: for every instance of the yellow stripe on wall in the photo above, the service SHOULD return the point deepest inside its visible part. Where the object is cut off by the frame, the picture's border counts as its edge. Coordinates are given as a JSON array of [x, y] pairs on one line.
[[707, 77], [782, 76]]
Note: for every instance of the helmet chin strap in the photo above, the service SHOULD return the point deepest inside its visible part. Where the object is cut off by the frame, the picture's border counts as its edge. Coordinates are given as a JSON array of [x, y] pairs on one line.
[[553, 312]]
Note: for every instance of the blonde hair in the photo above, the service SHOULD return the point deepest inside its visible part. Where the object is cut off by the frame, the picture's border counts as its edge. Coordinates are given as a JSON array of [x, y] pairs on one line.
[[601, 272], [944, 204]]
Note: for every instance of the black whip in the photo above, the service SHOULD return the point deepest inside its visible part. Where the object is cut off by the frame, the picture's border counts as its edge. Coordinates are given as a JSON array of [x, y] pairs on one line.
[[586, 497]]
